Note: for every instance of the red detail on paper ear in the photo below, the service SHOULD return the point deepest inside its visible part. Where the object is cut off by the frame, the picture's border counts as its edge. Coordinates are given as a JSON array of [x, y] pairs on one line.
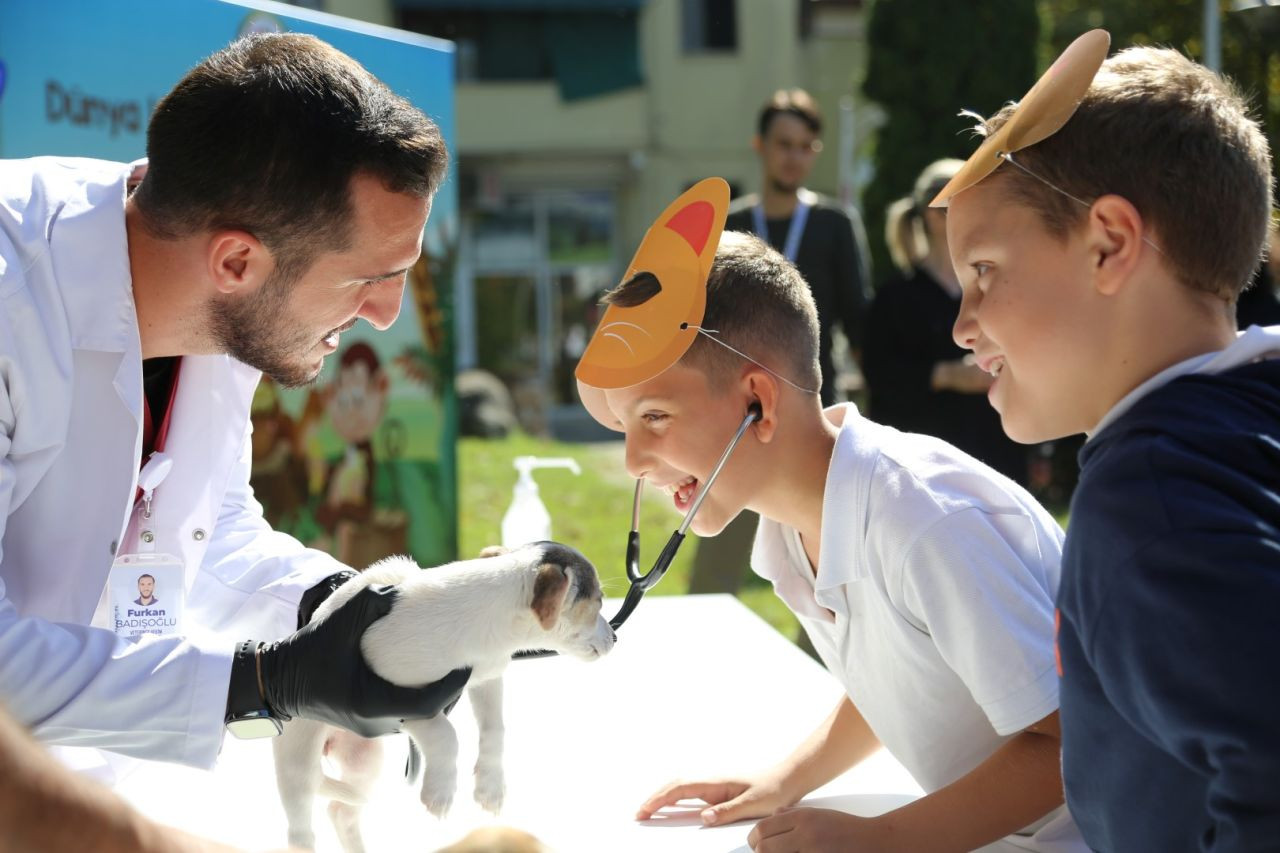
[[693, 223]]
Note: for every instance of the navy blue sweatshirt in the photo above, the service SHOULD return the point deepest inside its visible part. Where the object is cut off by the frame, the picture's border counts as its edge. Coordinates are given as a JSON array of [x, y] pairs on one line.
[[1169, 633]]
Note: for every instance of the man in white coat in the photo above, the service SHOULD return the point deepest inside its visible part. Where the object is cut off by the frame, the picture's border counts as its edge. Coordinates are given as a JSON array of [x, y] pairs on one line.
[[284, 198]]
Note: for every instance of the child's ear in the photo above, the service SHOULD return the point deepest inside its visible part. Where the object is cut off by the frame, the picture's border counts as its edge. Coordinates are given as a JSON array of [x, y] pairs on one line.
[[762, 389], [1115, 233]]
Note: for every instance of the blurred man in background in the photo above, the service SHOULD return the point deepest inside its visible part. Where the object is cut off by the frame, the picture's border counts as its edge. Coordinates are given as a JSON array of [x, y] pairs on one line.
[[824, 241], [827, 244]]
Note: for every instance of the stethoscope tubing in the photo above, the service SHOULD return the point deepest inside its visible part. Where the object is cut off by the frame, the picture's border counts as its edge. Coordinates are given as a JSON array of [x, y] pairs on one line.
[[640, 584]]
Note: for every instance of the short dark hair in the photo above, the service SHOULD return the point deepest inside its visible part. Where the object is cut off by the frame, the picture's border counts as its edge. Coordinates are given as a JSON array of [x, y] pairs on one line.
[[792, 102], [1178, 142], [757, 302], [266, 134]]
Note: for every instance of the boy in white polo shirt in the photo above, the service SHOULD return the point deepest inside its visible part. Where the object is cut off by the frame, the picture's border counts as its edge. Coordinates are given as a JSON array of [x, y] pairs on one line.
[[925, 579]]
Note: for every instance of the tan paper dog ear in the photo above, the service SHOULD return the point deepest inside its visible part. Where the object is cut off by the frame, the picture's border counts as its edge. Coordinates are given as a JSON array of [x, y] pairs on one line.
[[639, 340], [1040, 114]]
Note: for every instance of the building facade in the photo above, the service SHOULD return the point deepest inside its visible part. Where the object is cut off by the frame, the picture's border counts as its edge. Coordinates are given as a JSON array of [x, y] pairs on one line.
[[579, 120]]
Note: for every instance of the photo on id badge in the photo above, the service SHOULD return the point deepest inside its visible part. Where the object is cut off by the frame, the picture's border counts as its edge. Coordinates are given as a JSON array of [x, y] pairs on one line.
[[147, 592]]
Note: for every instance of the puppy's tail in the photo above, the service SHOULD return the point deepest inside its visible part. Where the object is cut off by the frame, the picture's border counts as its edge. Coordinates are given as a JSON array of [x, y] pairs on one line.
[[332, 789]]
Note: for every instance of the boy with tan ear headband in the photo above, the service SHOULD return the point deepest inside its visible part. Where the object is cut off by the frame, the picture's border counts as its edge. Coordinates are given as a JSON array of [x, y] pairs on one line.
[[1102, 234]]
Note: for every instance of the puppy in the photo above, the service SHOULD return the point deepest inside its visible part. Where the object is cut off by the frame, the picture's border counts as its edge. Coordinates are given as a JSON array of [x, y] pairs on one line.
[[472, 613]]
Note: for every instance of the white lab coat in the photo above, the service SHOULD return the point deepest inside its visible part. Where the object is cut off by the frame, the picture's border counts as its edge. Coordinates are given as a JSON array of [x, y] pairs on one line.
[[70, 439]]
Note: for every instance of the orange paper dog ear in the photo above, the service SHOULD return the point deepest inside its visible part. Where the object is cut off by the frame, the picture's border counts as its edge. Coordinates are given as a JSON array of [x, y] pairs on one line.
[[1040, 114], [640, 337]]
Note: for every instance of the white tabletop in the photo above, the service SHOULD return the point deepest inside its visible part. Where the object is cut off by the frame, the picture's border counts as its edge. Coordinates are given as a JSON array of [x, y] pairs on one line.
[[696, 685]]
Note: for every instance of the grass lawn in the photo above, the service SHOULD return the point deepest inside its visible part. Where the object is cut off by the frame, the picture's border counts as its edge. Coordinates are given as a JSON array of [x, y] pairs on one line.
[[591, 512]]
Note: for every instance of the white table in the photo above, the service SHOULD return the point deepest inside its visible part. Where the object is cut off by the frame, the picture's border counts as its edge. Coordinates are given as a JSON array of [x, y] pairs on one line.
[[696, 685]]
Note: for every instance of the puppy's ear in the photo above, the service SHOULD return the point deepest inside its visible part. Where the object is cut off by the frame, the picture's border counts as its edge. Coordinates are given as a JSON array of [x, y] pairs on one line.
[[494, 551], [549, 590]]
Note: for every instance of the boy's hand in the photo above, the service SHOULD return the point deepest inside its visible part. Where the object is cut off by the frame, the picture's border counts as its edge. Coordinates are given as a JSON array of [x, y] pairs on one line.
[[728, 799], [816, 831]]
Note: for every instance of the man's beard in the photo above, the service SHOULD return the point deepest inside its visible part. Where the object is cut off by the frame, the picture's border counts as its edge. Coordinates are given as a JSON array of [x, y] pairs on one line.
[[258, 331], [784, 187]]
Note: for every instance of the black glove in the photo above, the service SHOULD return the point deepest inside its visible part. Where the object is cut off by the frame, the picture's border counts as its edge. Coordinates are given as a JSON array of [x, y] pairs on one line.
[[314, 597], [319, 673]]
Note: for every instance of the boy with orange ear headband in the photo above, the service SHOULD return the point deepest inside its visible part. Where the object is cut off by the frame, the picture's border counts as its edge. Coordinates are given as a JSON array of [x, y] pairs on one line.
[[925, 579]]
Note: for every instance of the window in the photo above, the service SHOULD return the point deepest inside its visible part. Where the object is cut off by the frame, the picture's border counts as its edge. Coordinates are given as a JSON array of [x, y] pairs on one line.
[[540, 261], [588, 52], [710, 25]]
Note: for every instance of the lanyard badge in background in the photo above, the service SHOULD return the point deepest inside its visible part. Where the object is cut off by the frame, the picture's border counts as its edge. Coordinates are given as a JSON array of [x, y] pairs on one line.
[[795, 232]]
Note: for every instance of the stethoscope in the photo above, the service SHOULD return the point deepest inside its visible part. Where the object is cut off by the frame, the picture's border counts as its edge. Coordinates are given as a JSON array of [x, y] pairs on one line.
[[640, 584]]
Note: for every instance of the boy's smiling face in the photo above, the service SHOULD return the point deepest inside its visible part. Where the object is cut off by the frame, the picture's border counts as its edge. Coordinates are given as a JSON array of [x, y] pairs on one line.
[[676, 427], [1028, 312]]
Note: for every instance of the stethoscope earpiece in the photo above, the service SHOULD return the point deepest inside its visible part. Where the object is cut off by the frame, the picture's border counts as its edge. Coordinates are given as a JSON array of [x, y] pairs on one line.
[[756, 411]]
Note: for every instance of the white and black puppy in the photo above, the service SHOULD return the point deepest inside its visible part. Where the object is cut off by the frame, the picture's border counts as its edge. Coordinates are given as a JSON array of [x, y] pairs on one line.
[[472, 613]]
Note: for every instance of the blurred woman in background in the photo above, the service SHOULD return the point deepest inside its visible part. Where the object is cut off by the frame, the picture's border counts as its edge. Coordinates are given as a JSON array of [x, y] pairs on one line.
[[918, 379]]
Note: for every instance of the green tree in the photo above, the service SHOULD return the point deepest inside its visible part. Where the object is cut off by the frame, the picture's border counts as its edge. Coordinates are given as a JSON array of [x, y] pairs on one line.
[[1250, 40], [928, 60]]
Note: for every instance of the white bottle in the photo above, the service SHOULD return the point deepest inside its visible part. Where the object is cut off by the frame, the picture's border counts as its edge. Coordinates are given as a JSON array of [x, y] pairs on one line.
[[527, 520]]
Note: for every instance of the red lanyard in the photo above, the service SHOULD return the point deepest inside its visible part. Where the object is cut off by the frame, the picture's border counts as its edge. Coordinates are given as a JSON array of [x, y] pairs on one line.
[[151, 439]]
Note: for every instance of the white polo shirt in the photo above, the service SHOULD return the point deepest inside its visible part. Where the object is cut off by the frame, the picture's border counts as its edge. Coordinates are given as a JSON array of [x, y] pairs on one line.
[[933, 601]]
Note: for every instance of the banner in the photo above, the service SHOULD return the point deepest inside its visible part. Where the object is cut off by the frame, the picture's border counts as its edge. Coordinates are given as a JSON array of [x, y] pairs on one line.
[[362, 463]]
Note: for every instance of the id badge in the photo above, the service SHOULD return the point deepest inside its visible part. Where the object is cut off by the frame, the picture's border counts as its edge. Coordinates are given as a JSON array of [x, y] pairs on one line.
[[147, 593]]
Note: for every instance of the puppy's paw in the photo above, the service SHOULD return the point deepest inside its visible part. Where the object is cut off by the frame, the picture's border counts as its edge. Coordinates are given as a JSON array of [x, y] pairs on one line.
[[491, 788], [437, 792]]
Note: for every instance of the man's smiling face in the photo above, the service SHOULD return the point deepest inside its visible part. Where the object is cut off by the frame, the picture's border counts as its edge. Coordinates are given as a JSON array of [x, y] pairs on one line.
[[286, 328]]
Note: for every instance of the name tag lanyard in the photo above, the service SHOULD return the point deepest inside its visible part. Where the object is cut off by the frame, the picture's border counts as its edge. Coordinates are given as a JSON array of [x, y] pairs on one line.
[[157, 464], [156, 579], [151, 476], [799, 218]]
